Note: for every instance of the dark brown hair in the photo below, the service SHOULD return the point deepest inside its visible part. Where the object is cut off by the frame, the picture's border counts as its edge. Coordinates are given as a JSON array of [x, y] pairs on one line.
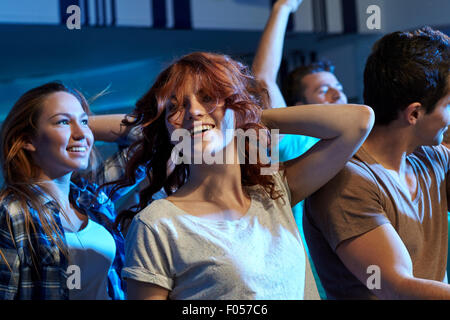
[[294, 86], [406, 67]]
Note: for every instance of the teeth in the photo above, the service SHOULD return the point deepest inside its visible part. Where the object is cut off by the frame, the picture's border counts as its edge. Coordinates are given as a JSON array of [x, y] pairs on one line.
[[198, 129], [77, 149]]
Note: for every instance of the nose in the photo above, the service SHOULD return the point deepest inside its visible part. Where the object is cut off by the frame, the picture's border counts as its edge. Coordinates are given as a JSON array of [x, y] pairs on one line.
[[194, 109], [79, 131], [336, 95]]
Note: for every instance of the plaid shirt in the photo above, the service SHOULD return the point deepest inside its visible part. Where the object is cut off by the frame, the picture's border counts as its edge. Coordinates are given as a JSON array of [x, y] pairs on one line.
[[20, 278]]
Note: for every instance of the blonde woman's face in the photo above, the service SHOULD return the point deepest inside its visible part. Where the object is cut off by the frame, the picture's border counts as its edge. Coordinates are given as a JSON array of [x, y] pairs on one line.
[[63, 140]]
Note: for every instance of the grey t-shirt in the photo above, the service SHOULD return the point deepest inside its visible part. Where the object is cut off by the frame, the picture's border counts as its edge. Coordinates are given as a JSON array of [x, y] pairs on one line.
[[259, 256], [363, 196]]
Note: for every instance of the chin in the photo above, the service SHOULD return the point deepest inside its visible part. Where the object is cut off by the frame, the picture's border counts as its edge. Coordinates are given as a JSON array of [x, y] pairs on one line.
[[80, 166]]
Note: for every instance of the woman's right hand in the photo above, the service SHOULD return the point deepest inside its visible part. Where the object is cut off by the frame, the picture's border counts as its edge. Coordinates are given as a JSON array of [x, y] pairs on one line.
[[291, 4]]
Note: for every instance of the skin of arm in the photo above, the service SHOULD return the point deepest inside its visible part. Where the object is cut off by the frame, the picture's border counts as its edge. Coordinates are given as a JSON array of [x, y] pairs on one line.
[[341, 128], [108, 127], [268, 56], [383, 247], [137, 290]]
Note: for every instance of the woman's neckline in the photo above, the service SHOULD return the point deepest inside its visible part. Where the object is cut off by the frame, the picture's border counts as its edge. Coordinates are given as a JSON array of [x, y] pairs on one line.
[[211, 220]]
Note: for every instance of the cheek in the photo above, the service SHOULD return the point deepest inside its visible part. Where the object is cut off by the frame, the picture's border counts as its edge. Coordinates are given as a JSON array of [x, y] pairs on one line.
[[90, 138], [170, 128], [51, 141], [228, 120]]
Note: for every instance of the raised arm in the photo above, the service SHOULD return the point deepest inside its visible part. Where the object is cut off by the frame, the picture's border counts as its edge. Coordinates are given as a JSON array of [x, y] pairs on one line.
[[383, 248], [268, 56], [341, 128], [108, 128]]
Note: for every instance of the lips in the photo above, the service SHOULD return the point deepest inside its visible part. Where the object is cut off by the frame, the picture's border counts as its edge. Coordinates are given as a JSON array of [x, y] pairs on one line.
[[77, 149], [200, 129]]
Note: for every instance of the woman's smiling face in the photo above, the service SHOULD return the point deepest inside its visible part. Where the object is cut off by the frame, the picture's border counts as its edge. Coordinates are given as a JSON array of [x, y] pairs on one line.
[[63, 140], [207, 122]]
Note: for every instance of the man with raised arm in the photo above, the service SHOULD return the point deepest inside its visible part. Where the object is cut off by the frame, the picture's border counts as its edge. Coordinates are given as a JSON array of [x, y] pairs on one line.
[[309, 84], [379, 229]]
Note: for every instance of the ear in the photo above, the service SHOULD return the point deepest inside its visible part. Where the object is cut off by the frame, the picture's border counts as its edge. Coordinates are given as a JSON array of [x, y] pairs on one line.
[[29, 147], [413, 113]]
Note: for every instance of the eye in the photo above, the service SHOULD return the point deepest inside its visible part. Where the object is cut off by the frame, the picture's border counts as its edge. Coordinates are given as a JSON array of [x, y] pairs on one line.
[[85, 122], [206, 99], [171, 107], [63, 122]]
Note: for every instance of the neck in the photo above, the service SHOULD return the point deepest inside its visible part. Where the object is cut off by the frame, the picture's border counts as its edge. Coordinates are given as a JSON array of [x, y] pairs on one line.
[[389, 146], [58, 187], [214, 183]]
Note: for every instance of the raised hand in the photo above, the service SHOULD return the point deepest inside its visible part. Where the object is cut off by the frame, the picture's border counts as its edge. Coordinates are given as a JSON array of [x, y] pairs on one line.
[[292, 4]]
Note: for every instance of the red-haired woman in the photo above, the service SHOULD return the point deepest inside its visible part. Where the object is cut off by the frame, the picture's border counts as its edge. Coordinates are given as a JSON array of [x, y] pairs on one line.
[[57, 239], [225, 231]]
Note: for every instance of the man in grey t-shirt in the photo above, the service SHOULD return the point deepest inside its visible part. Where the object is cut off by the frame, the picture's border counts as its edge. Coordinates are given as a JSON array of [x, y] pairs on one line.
[[379, 228]]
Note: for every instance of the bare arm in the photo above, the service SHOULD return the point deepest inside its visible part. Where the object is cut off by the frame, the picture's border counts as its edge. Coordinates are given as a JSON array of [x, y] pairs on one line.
[[108, 127], [342, 128], [137, 290], [383, 247], [268, 56]]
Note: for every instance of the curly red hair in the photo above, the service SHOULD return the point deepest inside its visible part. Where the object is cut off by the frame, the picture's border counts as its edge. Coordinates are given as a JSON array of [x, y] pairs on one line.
[[216, 76]]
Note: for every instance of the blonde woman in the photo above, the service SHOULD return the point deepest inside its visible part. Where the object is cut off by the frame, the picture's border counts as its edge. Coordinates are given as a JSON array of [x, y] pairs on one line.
[[55, 223]]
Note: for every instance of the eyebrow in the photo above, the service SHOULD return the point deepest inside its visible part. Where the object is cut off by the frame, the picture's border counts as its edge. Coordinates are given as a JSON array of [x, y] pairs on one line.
[[338, 84], [68, 115]]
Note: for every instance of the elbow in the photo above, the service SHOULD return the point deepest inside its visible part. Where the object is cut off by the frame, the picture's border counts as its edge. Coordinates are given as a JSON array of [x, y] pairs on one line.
[[265, 81], [361, 121], [366, 119], [396, 288]]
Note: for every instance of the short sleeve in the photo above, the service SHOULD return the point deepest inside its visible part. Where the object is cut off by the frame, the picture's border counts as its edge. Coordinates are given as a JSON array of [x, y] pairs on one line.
[[147, 255], [348, 206], [281, 183]]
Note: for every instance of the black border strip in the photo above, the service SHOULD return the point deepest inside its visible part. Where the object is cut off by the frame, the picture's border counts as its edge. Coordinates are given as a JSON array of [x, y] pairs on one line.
[[97, 13], [113, 13], [86, 12], [104, 13], [349, 16], [182, 14], [159, 14]]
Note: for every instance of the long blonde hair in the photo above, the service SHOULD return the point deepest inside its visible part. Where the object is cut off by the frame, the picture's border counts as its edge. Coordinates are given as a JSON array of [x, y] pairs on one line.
[[20, 172]]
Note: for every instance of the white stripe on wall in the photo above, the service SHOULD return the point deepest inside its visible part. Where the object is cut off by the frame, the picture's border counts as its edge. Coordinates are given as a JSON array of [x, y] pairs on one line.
[[303, 17], [30, 11], [92, 13], [335, 23], [135, 13], [170, 22]]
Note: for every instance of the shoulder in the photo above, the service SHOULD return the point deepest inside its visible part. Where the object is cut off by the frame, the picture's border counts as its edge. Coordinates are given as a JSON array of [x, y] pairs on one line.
[[355, 179], [355, 170], [12, 219], [155, 212], [433, 155], [11, 207], [157, 220]]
